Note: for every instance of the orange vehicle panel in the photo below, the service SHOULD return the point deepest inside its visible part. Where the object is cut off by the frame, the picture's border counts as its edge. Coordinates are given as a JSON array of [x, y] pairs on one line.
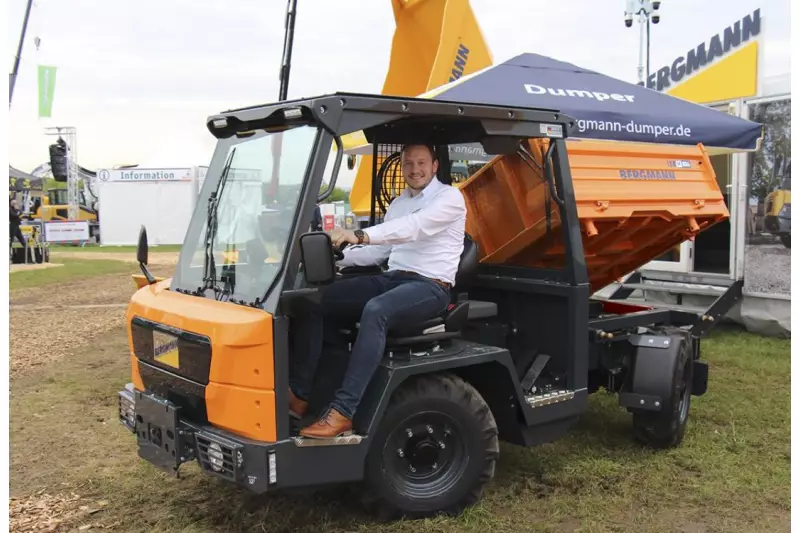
[[244, 411], [242, 367], [635, 202]]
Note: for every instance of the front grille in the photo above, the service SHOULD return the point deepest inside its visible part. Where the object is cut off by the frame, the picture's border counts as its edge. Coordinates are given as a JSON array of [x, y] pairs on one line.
[[183, 392], [227, 456], [193, 350]]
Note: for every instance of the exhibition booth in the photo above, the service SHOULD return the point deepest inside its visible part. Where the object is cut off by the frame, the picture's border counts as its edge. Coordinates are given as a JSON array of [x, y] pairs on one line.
[[738, 71]]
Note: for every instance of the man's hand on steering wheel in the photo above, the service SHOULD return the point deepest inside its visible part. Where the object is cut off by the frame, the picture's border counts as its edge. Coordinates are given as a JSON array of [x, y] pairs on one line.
[[341, 236]]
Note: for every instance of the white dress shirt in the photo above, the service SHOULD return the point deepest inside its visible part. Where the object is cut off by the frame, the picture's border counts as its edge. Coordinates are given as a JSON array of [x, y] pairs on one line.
[[422, 234]]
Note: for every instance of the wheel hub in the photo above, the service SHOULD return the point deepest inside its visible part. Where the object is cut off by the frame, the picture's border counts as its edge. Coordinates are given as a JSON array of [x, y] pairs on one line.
[[423, 454]]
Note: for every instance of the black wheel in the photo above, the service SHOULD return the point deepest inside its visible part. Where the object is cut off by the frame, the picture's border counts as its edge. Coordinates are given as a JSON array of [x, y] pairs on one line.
[[666, 428], [786, 240], [434, 450]]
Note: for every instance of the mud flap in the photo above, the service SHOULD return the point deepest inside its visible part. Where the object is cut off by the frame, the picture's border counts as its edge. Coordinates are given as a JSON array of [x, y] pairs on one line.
[[653, 370], [699, 378]]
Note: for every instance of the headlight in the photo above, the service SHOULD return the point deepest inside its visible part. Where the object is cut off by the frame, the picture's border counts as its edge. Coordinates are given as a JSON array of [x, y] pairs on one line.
[[215, 456]]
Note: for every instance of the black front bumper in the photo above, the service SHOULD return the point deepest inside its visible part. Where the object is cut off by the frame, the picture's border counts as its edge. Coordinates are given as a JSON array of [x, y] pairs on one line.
[[166, 440]]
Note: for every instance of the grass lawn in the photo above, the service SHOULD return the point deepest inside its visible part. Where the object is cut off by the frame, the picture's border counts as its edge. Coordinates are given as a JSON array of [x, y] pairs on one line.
[[72, 269], [731, 474]]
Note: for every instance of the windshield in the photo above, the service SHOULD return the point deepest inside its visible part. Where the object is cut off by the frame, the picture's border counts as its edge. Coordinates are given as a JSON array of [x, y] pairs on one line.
[[58, 196], [251, 209]]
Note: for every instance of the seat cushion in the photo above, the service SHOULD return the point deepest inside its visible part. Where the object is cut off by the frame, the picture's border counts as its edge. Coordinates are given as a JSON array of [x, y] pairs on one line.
[[417, 328]]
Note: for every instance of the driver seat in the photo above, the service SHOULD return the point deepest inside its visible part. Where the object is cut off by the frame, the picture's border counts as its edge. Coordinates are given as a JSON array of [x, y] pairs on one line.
[[454, 319]]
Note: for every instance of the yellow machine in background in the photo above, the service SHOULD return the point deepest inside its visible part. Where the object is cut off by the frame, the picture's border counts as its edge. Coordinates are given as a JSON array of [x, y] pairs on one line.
[[778, 215], [435, 42], [778, 205], [56, 207]]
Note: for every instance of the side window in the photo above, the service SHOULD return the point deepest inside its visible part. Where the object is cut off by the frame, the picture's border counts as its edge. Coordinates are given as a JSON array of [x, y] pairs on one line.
[[466, 160]]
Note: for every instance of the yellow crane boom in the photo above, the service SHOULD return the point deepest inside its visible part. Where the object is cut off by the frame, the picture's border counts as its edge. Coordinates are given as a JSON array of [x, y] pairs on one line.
[[435, 42]]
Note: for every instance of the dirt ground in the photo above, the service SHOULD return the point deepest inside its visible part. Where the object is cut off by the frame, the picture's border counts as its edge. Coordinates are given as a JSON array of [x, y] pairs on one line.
[[75, 468], [47, 323], [32, 266], [154, 258]]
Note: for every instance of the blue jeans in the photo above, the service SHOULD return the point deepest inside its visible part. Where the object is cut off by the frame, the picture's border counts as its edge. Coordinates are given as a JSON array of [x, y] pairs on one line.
[[379, 303]]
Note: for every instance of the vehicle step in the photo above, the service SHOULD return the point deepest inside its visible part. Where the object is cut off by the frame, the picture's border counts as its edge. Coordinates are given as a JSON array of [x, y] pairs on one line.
[[348, 440], [676, 289], [549, 398]]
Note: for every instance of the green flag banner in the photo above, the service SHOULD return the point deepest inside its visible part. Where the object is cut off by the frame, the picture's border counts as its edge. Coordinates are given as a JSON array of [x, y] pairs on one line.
[[47, 87]]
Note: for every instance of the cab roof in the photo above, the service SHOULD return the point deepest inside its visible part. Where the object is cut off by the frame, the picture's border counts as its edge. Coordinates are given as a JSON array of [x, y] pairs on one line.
[[397, 120]]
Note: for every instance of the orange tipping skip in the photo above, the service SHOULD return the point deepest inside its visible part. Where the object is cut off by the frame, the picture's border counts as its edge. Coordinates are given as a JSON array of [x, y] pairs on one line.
[[635, 202]]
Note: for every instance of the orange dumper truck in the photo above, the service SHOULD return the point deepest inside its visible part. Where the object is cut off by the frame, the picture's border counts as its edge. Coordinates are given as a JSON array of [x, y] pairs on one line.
[[514, 357]]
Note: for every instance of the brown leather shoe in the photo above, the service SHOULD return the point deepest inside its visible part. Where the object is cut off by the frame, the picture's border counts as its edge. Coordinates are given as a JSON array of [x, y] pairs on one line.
[[334, 424], [297, 407]]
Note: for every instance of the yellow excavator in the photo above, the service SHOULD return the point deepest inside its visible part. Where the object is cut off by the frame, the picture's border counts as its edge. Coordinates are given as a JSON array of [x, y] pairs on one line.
[[56, 207], [778, 204]]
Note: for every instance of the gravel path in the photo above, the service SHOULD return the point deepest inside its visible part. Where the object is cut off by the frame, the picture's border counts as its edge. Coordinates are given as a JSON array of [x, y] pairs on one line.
[[768, 269]]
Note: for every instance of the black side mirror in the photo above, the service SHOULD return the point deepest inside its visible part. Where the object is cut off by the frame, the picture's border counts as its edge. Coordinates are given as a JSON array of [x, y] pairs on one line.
[[316, 250], [141, 248], [141, 255]]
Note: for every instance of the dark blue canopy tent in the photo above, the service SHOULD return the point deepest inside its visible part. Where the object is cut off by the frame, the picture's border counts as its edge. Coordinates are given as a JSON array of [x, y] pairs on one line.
[[605, 108]]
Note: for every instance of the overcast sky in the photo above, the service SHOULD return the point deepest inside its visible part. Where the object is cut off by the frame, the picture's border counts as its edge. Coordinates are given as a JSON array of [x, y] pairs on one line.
[[138, 79]]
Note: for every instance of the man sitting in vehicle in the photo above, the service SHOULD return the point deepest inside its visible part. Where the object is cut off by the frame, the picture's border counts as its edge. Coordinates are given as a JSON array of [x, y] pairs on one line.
[[423, 238]]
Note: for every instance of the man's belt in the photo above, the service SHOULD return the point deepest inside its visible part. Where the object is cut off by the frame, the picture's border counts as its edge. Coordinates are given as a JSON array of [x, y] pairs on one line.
[[437, 281]]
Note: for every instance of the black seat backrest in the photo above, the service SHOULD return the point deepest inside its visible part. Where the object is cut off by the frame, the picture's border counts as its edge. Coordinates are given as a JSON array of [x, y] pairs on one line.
[[468, 264]]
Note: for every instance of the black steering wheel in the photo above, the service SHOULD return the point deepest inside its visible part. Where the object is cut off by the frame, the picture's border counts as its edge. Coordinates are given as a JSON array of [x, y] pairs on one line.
[[338, 252]]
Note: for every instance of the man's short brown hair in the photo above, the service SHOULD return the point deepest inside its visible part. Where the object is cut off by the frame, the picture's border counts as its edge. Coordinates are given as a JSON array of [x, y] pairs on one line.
[[431, 148]]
